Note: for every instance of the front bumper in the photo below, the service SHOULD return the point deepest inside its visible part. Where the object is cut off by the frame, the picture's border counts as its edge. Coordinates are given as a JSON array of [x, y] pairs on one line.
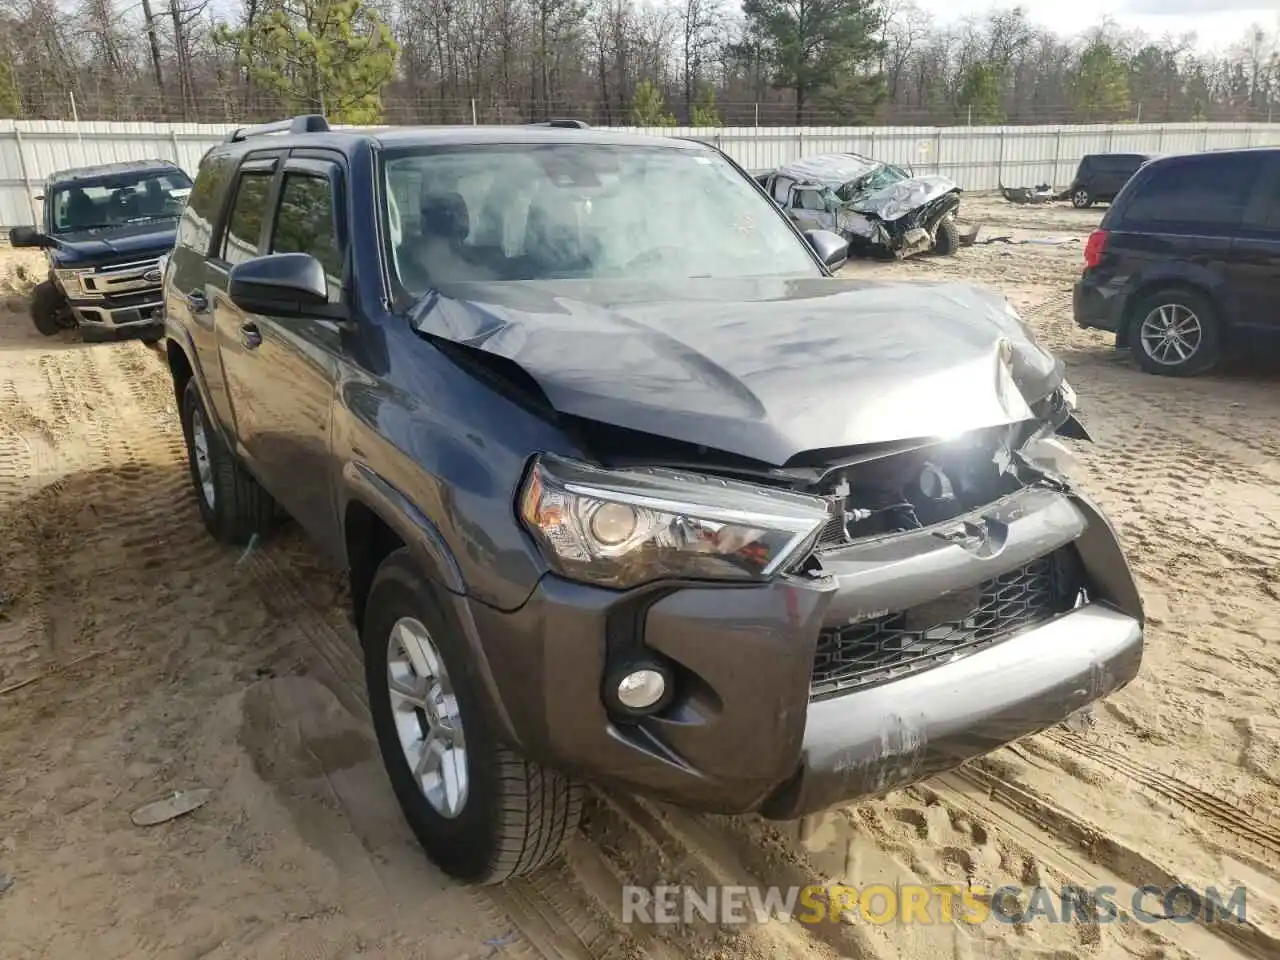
[[145, 309], [744, 733]]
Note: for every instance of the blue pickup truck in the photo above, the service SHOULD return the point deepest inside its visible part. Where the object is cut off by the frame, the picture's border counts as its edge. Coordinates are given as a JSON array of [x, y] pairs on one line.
[[107, 234]]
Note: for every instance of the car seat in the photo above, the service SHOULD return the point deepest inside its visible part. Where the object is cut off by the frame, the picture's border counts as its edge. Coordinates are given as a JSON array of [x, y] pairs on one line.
[[81, 211], [552, 247]]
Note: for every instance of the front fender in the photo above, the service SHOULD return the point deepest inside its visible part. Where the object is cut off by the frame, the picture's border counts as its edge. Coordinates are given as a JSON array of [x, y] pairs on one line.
[[411, 525], [360, 483]]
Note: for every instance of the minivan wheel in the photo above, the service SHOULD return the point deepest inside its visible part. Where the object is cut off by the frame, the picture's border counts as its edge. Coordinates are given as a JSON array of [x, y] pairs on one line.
[[233, 505], [482, 813], [1081, 198], [1175, 333]]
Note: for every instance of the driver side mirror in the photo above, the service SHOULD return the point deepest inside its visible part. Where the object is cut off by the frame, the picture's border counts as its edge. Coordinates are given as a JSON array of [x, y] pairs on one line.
[[280, 285], [28, 237], [831, 248]]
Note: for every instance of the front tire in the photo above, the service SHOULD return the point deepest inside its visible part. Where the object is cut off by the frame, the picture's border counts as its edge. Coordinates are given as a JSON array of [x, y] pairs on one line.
[[1081, 199], [1174, 332], [233, 505], [946, 240], [49, 310], [482, 813]]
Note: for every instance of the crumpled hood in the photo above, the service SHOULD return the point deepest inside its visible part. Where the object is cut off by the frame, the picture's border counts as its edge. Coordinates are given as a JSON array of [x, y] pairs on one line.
[[134, 241], [899, 199], [766, 369]]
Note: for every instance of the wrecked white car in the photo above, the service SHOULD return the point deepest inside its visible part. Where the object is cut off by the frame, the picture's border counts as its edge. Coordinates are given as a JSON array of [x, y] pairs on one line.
[[878, 207]]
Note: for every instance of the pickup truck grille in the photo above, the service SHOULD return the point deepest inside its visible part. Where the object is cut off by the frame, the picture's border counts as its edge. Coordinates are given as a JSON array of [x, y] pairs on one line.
[[895, 645], [125, 278]]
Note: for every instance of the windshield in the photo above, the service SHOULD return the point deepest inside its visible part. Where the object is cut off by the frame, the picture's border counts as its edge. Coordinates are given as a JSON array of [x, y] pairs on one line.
[[121, 198], [580, 211], [882, 176]]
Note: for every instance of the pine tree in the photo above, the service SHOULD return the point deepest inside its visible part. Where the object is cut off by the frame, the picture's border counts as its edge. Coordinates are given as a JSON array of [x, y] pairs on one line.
[[1100, 88], [648, 108], [326, 56], [821, 47], [705, 113]]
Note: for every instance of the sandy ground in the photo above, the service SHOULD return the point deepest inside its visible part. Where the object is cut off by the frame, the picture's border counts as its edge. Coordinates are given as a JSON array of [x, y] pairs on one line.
[[138, 658]]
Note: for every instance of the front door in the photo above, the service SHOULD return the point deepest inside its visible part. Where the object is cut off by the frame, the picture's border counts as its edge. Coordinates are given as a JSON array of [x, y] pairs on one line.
[[809, 209], [281, 372]]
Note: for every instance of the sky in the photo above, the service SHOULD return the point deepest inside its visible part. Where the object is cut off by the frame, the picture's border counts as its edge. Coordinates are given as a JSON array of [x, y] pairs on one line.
[[1217, 23]]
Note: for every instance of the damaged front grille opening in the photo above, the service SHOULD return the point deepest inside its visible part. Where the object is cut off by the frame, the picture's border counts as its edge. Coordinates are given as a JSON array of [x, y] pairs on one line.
[[918, 488], [895, 645]]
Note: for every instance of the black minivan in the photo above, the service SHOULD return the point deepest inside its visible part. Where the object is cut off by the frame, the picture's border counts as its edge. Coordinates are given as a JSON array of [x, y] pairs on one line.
[[1185, 266], [1101, 177]]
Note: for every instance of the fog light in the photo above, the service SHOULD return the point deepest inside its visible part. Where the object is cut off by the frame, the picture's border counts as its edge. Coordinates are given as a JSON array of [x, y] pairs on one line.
[[641, 689]]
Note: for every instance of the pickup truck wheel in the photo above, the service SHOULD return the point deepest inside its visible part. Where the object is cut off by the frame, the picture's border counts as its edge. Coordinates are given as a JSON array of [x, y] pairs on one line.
[[49, 310], [483, 813], [233, 505]]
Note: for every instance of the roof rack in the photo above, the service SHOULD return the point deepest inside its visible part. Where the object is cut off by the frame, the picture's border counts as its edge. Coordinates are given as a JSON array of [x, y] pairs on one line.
[[309, 123], [564, 124]]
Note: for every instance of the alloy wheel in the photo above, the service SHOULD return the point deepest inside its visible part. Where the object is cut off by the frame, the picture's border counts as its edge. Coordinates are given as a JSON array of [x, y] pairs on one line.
[[1171, 334], [428, 723], [204, 466]]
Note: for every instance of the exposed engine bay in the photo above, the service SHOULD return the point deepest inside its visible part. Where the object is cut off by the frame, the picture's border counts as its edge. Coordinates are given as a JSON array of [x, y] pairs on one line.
[[883, 489]]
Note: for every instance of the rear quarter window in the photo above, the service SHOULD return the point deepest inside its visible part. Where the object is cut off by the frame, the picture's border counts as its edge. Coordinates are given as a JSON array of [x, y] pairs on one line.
[[1193, 193]]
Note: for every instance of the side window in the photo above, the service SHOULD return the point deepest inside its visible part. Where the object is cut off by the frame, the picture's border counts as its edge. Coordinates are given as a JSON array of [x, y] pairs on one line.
[[244, 225], [810, 200], [1204, 191], [305, 224], [196, 228]]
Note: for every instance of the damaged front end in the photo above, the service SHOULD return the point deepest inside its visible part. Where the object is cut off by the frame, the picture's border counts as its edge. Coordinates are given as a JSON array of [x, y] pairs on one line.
[[902, 219], [970, 596]]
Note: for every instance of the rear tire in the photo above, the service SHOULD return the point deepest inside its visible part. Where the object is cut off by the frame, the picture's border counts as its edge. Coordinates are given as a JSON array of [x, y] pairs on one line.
[[482, 813], [233, 505], [49, 310], [1198, 347], [1081, 199], [946, 240]]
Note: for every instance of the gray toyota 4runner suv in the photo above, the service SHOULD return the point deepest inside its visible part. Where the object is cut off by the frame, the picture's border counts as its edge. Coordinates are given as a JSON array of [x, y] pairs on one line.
[[629, 487]]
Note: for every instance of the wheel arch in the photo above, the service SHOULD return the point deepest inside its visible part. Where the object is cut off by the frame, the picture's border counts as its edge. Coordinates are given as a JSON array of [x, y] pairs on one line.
[[1203, 286], [377, 520]]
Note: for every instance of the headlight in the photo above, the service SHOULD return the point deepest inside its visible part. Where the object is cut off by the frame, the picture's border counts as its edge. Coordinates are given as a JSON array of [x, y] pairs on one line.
[[627, 527], [70, 280]]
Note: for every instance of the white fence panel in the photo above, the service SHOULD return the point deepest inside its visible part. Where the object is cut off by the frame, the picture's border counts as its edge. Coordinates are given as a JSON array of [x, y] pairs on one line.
[[978, 158]]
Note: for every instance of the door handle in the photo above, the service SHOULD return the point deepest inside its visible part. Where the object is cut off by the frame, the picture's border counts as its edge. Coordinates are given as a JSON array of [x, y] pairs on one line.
[[197, 301], [250, 335]]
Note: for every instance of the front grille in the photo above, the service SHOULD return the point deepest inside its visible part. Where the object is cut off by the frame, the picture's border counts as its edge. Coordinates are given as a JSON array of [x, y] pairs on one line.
[[895, 645], [125, 278]]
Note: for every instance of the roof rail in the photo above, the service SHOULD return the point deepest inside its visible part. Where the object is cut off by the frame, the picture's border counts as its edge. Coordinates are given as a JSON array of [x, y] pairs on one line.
[[309, 123], [565, 124]]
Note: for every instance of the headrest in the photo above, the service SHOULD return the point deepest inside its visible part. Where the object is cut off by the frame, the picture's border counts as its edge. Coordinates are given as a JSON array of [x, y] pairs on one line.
[[445, 215]]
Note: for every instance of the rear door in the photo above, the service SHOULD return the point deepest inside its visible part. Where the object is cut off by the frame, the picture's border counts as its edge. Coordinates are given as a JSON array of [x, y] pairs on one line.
[[188, 274], [287, 368], [242, 237], [1253, 273]]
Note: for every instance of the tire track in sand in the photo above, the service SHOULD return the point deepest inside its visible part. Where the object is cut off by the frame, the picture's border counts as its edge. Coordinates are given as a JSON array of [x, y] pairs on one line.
[[554, 917]]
